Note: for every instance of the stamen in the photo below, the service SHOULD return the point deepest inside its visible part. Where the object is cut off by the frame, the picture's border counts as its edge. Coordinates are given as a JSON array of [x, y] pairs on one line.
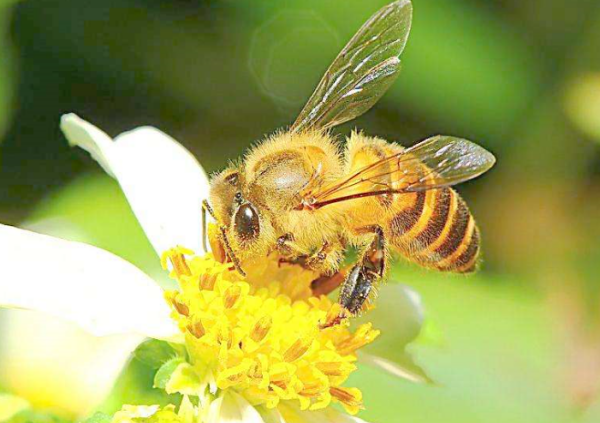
[[261, 328], [350, 397], [196, 328], [177, 258], [180, 265], [181, 308], [232, 294], [335, 316], [335, 368], [207, 282], [246, 332], [312, 389], [297, 349], [280, 384], [226, 337], [363, 336]]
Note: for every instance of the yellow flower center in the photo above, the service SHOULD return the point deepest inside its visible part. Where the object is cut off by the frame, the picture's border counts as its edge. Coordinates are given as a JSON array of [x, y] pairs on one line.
[[264, 336]]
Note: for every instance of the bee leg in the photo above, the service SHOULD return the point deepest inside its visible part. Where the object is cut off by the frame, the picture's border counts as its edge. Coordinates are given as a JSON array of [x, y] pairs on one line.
[[317, 259], [363, 277], [288, 251], [285, 243], [328, 283]]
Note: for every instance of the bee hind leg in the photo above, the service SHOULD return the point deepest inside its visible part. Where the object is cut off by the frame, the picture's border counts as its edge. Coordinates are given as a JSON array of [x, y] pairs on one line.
[[361, 281]]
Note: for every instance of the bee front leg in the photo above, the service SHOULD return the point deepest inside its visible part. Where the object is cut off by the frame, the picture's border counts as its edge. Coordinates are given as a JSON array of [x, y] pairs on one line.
[[289, 251], [362, 279]]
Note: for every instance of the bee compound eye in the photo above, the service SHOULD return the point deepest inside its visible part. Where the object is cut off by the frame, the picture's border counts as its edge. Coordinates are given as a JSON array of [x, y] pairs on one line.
[[246, 222]]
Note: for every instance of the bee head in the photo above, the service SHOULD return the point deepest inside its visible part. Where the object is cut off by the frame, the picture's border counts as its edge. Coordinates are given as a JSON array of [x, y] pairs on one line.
[[246, 222], [225, 189], [243, 225]]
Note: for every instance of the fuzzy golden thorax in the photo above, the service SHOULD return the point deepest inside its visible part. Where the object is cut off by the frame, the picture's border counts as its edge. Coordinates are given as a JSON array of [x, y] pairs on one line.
[[255, 203]]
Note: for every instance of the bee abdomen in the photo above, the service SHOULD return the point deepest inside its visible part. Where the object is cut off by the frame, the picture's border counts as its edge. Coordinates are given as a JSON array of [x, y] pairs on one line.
[[443, 235], [405, 220], [437, 221], [466, 262], [460, 244]]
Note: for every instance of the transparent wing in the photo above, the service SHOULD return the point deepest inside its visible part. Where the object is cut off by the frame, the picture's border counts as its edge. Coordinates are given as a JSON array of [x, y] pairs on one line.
[[362, 72], [437, 162]]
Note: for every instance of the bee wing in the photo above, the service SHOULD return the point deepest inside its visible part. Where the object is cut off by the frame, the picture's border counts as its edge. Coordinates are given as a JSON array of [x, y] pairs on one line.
[[437, 162], [362, 72]]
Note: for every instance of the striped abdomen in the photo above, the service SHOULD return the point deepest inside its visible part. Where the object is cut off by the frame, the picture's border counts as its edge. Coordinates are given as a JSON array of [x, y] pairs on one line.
[[435, 229], [432, 227]]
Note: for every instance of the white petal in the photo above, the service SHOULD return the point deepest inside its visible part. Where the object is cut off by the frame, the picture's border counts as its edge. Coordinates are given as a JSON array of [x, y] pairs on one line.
[[334, 416], [37, 348], [401, 365], [399, 315], [99, 291], [231, 407], [294, 415], [272, 415], [163, 182], [90, 138]]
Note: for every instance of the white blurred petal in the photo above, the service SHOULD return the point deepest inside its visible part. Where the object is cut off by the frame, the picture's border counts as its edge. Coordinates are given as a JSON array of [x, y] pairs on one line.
[[334, 416], [163, 182], [328, 415], [231, 407], [37, 348], [400, 366], [90, 138], [271, 415], [97, 290], [399, 315]]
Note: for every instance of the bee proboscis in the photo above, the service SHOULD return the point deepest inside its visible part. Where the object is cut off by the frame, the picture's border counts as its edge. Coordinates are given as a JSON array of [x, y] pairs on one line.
[[300, 194]]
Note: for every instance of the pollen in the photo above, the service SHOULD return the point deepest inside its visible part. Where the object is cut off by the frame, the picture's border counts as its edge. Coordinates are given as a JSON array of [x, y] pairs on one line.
[[264, 335]]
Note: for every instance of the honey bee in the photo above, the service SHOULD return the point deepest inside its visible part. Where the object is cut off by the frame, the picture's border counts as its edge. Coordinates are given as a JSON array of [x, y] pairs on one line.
[[302, 195]]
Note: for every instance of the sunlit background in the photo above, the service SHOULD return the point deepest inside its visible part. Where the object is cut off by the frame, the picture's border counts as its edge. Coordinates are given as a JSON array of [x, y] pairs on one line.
[[519, 342]]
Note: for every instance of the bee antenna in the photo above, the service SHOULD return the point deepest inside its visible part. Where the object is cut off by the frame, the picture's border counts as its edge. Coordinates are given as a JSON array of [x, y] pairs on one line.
[[230, 252], [206, 208]]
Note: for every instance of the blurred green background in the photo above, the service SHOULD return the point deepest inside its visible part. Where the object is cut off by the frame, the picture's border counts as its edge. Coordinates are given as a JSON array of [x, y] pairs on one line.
[[519, 342]]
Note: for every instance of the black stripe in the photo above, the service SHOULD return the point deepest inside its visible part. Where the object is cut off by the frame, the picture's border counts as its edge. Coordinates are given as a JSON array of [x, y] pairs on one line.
[[437, 221], [467, 256], [406, 219], [455, 236]]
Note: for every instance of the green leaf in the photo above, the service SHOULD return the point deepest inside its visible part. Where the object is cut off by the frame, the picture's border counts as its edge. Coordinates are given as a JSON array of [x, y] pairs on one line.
[[32, 416], [135, 386], [11, 405], [98, 418], [7, 67], [185, 380], [166, 370], [155, 353]]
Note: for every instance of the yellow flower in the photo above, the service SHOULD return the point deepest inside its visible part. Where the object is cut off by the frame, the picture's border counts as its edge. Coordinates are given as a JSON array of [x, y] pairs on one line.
[[256, 347], [264, 337]]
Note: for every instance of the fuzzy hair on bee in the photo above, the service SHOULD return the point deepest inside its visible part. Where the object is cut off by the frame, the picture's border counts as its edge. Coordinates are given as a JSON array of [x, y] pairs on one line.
[[306, 196]]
